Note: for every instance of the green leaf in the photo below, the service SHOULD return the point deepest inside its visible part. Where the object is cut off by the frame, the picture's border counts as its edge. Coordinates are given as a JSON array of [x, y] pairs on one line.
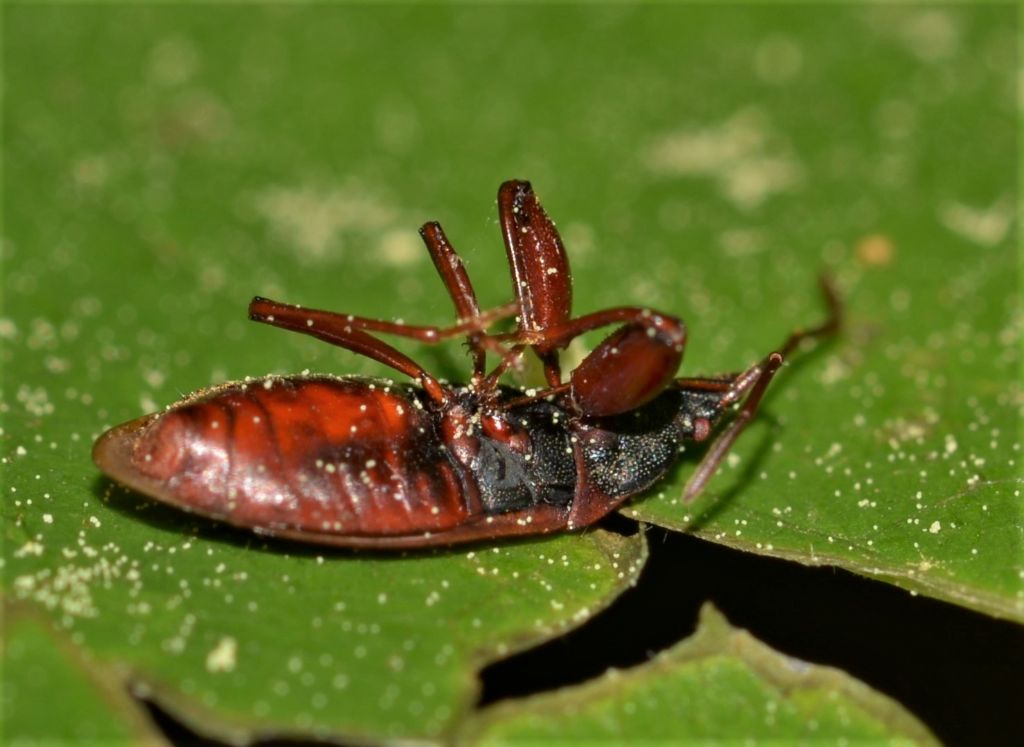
[[719, 686], [895, 450], [240, 639], [164, 164], [38, 663]]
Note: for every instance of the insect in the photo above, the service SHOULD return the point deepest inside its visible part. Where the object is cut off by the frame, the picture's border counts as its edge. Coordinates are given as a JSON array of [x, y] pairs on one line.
[[371, 463]]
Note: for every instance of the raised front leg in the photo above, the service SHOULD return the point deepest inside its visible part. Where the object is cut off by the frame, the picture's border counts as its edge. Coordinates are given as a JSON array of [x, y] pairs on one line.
[[540, 268], [349, 331], [339, 330], [456, 280], [629, 368], [540, 272]]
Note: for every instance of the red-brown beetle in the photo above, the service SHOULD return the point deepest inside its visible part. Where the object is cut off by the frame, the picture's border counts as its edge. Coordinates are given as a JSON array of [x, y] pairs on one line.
[[370, 463]]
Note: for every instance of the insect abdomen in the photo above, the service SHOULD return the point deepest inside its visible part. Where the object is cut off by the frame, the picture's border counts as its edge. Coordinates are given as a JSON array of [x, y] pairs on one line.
[[323, 455]]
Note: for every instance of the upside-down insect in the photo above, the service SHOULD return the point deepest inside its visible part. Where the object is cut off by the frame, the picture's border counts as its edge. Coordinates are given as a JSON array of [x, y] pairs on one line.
[[370, 463]]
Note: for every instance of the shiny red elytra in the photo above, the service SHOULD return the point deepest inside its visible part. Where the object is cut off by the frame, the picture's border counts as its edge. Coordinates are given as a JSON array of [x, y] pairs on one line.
[[370, 463]]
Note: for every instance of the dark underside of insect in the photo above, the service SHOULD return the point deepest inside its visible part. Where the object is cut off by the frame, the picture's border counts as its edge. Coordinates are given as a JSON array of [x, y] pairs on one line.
[[372, 463]]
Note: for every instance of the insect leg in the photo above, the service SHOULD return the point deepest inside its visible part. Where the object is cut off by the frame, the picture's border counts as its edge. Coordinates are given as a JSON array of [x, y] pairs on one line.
[[563, 334], [456, 280], [631, 366], [720, 383], [543, 287], [536, 257], [830, 326], [452, 271], [420, 333], [508, 359], [334, 328], [541, 278], [752, 384]]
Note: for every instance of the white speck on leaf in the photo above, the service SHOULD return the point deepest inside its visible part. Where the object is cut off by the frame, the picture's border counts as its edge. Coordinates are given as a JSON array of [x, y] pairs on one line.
[[223, 656]]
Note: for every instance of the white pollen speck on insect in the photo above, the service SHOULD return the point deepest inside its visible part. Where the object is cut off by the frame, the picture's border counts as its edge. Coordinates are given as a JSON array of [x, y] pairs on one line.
[[309, 322]]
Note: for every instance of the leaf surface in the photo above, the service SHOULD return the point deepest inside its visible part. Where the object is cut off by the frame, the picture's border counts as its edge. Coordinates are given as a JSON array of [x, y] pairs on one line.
[[159, 172], [719, 686], [38, 662]]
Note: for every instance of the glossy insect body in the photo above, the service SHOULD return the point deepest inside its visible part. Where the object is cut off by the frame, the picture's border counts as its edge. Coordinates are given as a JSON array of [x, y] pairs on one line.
[[356, 462], [312, 455], [371, 463]]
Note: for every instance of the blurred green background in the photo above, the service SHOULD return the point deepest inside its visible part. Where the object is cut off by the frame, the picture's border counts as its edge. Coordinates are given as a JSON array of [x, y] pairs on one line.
[[164, 164]]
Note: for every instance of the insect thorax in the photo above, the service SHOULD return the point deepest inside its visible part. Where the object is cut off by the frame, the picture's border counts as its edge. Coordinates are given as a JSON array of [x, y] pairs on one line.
[[628, 453], [510, 479]]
